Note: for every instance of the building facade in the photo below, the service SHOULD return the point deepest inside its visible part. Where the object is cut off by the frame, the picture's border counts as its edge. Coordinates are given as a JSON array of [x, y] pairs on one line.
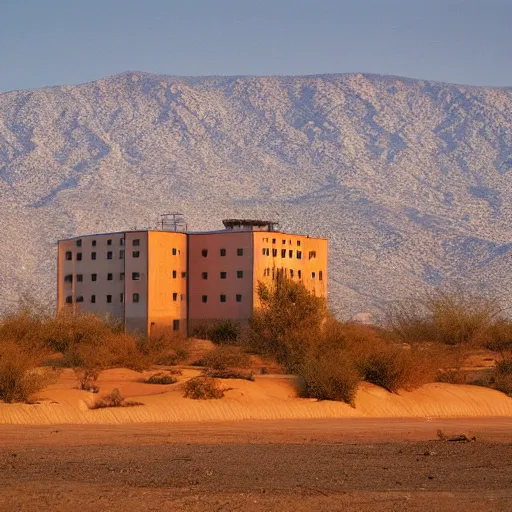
[[155, 280]]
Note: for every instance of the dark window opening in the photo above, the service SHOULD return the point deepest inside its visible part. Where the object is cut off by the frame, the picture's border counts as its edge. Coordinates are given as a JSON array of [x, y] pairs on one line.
[[291, 272], [109, 241], [109, 277], [121, 297], [284, 241], [273, 240], [283, 253], [298, 243], [136, 242], [93, 255], [175, 325], [79, 299], [174, 251], [183, 274], [299, 255], [94, 243], [290, 254], [94, 277], [174, 296], [79, 243], [135, 276], [69, 255], [223, 252], [68, 278], [239, 252], [109, 255], [299, 273], [239, 298], [239, 274], [204, 275], [312, 254], [135, 254], [174, 274], [313, 275], [320, 275], [79, 278], [204, 299], [223, 298], [78, 256], [93, 299], [263, 251], [69, 299], [135, 297], [204, 253], [121, 254], [223, 275], [121, 241], [274, 252], [109, 298]]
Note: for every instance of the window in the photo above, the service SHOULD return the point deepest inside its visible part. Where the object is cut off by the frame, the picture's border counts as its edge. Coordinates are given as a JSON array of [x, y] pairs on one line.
[[136, 242], [320, 275], [265, 240], [239, 274], [121, 276], [313, 275], [223, 298], [204, 253], [273, 240], [299, 255], [263, 251], [312, 254], [121, 241], [204, 299], [93, 299], [175, 325], [69, 255], [79, 278], [93, 255], [79, 299], [109, 255], [239, 298], [223, 252], [174, 274], [299, 273], [135, 276], [290, 253], [283, 253], [94, 277], [68, 278], [274, 252], [135, 254], [204, 275], [121, 298], [183, 274], [298, 243], [174, 251], [239, 252], [291, 272], [93, 243], [109, 241], [69, 299], [79, 243], [135, 297], [223, 275], [284, 241], [78, 256], [109, 277], [175, 296], [109, 299], [121, 254]]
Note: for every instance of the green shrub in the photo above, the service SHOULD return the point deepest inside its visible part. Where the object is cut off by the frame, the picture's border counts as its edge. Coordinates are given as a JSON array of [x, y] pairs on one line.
[[203, 388]]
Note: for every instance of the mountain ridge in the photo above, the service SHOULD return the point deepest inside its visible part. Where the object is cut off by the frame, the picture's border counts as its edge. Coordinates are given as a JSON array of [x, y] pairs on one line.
[[408, 178]]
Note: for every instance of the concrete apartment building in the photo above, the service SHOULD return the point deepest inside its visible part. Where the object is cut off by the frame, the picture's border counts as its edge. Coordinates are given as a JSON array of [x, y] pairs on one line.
[[170, 279]]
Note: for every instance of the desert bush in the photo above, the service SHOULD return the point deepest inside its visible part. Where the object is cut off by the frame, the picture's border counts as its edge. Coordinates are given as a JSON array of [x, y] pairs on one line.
[[500, 338], [220, 332], [503, 376], [330, 376], [114, 399], [161, 378], [19, 372], [228, 374], [203, 388], [224, 358], [167, 348], [87, 378]]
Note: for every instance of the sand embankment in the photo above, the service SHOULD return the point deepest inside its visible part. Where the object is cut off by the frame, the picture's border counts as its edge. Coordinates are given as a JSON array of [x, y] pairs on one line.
[[268, 398]]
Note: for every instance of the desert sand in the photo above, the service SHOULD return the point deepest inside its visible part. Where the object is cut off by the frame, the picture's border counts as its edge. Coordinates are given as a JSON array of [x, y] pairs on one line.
[[269, 397]]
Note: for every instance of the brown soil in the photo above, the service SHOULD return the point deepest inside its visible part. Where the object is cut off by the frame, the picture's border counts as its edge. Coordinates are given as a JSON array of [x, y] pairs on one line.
[[350, 464]]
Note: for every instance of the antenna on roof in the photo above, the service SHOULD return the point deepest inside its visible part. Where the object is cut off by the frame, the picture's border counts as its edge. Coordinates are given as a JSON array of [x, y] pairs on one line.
[[173, 222]]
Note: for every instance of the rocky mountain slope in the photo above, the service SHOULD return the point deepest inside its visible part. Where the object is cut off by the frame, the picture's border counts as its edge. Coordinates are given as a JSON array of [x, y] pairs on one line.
[[410, 180]]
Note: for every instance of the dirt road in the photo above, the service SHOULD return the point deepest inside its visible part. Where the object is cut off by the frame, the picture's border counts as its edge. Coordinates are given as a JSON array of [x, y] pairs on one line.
[[258, 466]]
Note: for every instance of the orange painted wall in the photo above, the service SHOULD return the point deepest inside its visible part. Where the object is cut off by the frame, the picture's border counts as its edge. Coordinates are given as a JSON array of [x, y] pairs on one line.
[[163, 306]]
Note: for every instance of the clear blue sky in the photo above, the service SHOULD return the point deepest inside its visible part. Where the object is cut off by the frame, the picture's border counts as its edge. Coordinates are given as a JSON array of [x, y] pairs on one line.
[[49, 42]]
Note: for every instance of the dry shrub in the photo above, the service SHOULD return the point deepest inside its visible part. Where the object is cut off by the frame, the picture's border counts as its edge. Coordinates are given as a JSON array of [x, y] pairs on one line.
[[167, 348], [203, 388], [503, 376], [87, 378], [161, 378], [220, 332], [229, 374], [500, 338], [225, 358], [19, 372], [114, 399]]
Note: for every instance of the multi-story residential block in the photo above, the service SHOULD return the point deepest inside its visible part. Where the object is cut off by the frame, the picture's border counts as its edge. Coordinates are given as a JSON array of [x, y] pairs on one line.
[[152, 280]]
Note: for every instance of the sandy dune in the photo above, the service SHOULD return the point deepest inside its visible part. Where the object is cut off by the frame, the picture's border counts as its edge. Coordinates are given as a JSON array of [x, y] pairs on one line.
[[270, 397]]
